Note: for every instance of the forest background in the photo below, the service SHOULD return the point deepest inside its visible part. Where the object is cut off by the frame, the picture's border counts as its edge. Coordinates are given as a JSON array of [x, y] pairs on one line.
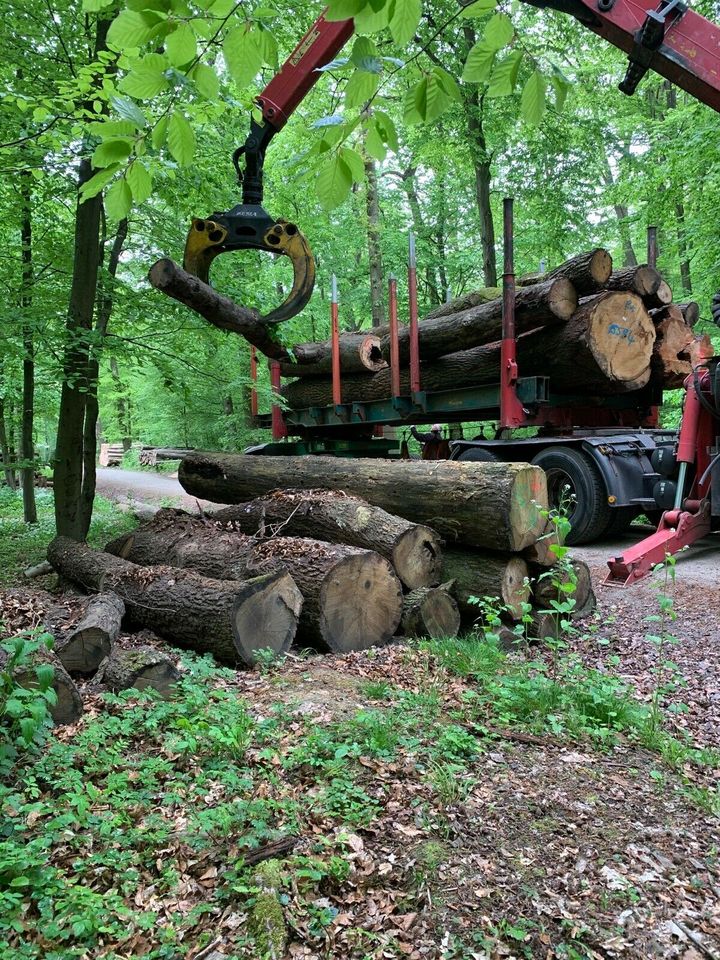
[[119, 125]]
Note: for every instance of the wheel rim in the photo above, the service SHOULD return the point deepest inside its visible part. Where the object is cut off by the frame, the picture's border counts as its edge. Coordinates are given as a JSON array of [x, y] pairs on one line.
[[562, 493]]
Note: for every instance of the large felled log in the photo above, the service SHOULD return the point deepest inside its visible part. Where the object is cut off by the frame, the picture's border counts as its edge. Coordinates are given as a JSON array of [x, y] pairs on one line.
[[69, 705], [352, 598], [359, 353], [660, 297], [413, 549], [89, 642], [605, 347], [431, 612], [642, 280], [587, 272], [543, 552], [231, 620], [553, 584], [545, 303], [690, 312], [493, 505], [472, 299], [670, 359], [141, 667], [487, 575]]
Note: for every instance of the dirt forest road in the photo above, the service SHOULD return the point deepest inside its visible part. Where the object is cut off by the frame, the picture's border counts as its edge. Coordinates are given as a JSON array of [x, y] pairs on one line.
[[615, 637]]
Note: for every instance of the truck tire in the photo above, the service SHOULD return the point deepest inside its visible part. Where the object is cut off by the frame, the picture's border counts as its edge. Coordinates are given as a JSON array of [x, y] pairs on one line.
[[620, 520], [574, 480], [478, 455]]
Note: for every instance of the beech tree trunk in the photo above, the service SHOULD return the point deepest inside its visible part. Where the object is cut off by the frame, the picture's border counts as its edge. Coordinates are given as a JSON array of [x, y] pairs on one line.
[[430, 612], [83, 649], [482, 575], [352, 598], [231, 620], [27, 446], [587, 272], [472, 299], [535, 306], [492, 505], [660, 297], [413, 549], [140, 668], [359, 353], [642, 280], [8, 471]]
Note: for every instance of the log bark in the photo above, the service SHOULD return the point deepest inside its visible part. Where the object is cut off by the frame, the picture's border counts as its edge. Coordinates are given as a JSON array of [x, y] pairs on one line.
[[690, 312], [547, 584], [543, 626], [69, 704], [86, 645], [492, 505], [413, 549], [535, 306], [473, 299], [587, 272], [431, 612], [541, 552], [231, 620], [141, 668], [642, 280], [359, 353], [504, 578], [352, 598], [604, 348]]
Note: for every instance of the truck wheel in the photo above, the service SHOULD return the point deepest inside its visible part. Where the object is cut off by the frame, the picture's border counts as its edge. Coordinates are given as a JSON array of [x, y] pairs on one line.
[[478, 455], [575, 484], [620, 520]]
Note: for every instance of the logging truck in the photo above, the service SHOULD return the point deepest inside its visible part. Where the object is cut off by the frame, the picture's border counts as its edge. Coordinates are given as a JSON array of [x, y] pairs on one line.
[[591, 392]]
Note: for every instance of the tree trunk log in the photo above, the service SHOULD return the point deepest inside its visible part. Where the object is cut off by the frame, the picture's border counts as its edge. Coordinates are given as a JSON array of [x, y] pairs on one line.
[[660, 297], [473, 299], [228, 619], [140, 668], [430, 612], [604, 348], [587, 272], [359, 353], [541, 552], [69, 704], [544, 626], [535, 306], [413, 549], [487, 575], [546, 587], [670, 358], [352, 598], [492, 505], [643, 280], [87, 644], [690, 312]]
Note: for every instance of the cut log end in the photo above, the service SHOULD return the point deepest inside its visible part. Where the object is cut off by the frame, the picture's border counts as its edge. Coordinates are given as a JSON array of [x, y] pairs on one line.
[[266, 617], [417, 557], [515, 590], [361, 603], [600, 266], [85, 650], [562, 298], [621, 334], [430, 612], [142, 668], [527, 522]]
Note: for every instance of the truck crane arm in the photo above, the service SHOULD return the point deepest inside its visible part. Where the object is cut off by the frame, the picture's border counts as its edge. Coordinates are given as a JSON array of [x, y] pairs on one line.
[[670, 39]]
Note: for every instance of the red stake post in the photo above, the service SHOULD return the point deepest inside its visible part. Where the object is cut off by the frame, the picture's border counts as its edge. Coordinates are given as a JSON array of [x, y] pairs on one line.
[[394, 346], [511, 410], [413, 311], [335, 340], [253, 377], [279, 429]]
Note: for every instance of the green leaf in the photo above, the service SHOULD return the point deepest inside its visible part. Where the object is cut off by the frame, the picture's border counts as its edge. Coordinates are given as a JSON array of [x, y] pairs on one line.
[[129, 111], [92, 6], [386, 129], [93, 186], [411, 114], [374, 143], [354, 162], [147, 78], [343, 9], [561, 87], [404, 20], [448, 83], [181, 139], [14, 708], [499, 31], [268, 47], [111, 151], [333, 183], [479, 8], [532, 101], [28, 729], [206, 80], [437, 101], [372, 21], [505, 74], [107, 129], [139, 181], [479, 63], [242, 55], [181, 45], [159, 134], [360, 88], [420, 100], [364, 55], [130, 29], [118, 200]]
